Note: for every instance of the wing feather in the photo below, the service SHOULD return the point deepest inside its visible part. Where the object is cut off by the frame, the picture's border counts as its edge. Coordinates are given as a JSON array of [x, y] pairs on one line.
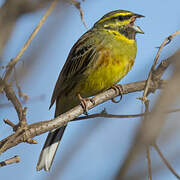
[[78, 60]]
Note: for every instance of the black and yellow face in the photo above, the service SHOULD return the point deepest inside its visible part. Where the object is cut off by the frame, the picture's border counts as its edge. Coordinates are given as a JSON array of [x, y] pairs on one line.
[[120, 20]]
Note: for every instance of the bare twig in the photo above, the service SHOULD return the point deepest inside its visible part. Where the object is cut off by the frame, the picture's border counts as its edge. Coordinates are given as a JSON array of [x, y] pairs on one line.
[[7, 121], [148, 157], [13, 98], [13, 62], [107, 115], [165, 161], [12, 160], [22, 95], [78, 6], [165, 42], [8, 89], [146, 103]]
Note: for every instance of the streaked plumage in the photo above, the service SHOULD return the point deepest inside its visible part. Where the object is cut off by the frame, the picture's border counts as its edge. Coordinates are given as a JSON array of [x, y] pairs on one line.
[[98, 60]]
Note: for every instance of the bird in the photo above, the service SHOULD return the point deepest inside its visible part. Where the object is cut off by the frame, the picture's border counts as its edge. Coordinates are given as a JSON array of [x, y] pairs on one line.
[[97, 61]]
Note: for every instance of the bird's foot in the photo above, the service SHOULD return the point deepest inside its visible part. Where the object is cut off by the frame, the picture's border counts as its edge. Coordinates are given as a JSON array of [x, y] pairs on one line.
[[119, 90], [83, 103]]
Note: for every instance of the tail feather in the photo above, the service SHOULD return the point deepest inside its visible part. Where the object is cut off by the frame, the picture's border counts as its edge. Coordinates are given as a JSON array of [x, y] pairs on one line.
[[49, 149]]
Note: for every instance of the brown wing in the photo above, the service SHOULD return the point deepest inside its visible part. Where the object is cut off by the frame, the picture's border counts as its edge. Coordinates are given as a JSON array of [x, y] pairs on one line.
[[79, 57]]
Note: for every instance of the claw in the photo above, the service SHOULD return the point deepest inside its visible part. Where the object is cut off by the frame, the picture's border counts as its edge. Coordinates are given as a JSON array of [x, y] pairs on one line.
[[93, 101], [83, 104], [119, 90], [116, 101]]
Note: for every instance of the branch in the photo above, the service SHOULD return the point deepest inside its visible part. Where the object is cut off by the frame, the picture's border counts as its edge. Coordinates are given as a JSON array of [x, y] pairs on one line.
[[165, 42], [148, 157], [13, 98], [14, 61], [107, 115], [30, 131], [12, 160], [78, 6], [165, 161]]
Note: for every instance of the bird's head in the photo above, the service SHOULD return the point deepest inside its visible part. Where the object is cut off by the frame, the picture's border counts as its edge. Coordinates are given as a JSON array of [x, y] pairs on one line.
[[121, 21]]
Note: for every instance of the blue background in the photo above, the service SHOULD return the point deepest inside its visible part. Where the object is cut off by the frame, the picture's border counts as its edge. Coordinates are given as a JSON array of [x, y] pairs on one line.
[[96, 148]]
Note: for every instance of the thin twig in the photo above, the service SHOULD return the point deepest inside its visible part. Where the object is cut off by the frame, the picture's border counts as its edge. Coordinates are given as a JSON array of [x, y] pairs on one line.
[[98, 115], [13, 98], [12, 160], [146, 103], [107, 115], [165, 161], [22, 95], [11, 124], [168, 39], [78, 6], [148, 157], [13, 62], [8, 89]]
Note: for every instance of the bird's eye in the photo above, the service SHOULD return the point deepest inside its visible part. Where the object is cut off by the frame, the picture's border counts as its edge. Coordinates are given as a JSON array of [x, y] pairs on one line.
[[123, 18], [120, 18]]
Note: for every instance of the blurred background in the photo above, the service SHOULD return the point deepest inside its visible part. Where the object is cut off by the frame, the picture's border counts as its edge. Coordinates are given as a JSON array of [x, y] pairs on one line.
[[95, 148]]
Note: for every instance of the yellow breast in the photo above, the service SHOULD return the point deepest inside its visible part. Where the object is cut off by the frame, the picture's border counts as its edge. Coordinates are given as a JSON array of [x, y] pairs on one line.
[[111, 65], [104, 74]]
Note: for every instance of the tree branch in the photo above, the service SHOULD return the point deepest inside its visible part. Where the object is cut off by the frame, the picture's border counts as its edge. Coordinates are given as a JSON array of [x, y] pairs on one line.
[[12, 160], [30, 131], [165, 42]]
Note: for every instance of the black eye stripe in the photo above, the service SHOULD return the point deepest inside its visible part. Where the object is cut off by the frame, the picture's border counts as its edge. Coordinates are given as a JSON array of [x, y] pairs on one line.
[[122, 18]]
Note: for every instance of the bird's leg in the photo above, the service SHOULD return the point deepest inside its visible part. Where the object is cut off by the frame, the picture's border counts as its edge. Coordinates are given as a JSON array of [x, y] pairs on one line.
[[119, 90], [83, 103]]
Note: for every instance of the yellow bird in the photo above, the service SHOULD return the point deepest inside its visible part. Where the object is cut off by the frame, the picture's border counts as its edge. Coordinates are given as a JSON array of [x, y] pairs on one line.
[[96, 62]]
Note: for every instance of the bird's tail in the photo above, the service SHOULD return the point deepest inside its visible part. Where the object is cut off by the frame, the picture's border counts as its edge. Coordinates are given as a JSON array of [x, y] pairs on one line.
[[54, 137], [49, 149]]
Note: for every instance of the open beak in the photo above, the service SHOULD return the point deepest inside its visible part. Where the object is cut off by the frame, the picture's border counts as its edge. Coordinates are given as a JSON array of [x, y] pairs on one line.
[[137, 28]]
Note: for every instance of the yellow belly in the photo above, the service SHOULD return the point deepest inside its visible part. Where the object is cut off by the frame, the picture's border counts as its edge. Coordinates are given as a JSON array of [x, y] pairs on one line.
[[105, 74]]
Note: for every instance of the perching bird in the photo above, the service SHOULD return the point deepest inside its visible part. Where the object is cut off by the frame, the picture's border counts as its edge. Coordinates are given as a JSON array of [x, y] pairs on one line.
[[96, 62]]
